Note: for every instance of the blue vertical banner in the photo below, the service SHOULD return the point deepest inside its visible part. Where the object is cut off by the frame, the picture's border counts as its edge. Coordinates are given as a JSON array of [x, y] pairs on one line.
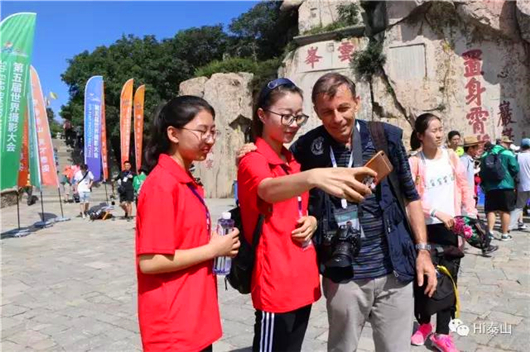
[[93, 101]]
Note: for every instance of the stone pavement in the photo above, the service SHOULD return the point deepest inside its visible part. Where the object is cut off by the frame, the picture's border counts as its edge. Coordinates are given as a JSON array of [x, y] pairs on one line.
[[72, 287]]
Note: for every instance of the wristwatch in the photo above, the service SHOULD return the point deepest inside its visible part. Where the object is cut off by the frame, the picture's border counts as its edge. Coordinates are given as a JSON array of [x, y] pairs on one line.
[[423, 246]]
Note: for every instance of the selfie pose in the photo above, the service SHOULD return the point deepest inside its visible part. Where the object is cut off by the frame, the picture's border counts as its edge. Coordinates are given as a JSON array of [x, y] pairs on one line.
[[285, 281], [367, 253], [175, 244]]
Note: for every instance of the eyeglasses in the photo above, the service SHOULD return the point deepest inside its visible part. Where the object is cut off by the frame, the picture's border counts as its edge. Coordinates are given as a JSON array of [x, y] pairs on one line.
[[288, 119], [205, 135]]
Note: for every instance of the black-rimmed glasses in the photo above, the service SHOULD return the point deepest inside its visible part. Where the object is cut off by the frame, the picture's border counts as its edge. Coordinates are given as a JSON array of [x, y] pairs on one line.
[[288, 119]]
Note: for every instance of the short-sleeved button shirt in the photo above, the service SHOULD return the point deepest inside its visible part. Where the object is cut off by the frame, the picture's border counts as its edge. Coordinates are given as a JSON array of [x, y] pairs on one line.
[[177, 311], [285, 274]]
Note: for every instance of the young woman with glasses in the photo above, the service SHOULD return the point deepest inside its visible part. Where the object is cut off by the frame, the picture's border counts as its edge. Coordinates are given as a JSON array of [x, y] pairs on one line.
[[175, 245], [285, 280]]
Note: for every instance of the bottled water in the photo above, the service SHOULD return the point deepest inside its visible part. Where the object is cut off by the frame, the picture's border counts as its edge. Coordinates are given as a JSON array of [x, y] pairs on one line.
[[225, 225]]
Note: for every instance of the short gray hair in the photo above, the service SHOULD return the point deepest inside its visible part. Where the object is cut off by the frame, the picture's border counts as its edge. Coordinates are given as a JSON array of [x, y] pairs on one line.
[[329, 83]]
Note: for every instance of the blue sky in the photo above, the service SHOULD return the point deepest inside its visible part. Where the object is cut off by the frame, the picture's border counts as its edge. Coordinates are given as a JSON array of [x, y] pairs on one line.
[[67, 28]]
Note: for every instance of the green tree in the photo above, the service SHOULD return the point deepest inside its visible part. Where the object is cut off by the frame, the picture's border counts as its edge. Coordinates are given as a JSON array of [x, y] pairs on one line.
[[263, 32], [260, 34], [55, 126]]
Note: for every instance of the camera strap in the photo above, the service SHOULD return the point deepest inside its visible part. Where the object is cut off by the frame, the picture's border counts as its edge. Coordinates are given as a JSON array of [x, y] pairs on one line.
[[350, 213], [356, 155]]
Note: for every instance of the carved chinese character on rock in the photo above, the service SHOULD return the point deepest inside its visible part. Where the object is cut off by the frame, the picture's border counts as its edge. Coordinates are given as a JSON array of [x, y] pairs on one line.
[[345, 50], [473, 63], [209, 164], [505, 114], [476, 118], [474, 91], [312, 57], [484, 138]]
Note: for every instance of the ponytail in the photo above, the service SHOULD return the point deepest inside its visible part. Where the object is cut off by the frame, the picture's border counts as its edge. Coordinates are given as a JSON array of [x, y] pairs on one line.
[[415, 142]]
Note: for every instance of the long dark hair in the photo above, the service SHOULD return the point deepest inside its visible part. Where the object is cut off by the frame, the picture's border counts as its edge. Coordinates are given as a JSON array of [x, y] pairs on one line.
[[420, 126], [178, 112], [269, 95]]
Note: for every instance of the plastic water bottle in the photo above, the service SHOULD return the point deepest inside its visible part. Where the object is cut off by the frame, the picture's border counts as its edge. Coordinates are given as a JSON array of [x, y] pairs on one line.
[[225, 225]]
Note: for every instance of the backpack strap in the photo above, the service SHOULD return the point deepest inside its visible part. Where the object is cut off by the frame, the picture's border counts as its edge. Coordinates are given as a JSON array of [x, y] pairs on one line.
[[257, 232], [380, 142]]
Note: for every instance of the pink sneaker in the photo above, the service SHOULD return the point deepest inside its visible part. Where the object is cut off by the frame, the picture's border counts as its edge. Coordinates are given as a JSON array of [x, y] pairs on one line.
[[419, 337], [443, 343]]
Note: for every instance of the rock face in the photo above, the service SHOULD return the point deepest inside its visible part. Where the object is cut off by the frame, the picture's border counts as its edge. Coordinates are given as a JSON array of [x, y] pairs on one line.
[[477, 79], [230, 96], [194, 86], [522, 13], [464, 61], [310, 62], [319, 13], [498, 15]]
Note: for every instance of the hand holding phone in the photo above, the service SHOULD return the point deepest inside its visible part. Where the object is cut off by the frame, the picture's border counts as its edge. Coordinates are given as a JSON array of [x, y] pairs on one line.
[[381, 165]]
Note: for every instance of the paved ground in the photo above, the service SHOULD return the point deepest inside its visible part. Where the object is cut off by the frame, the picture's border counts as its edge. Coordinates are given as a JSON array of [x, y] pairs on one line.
[[71, 287]]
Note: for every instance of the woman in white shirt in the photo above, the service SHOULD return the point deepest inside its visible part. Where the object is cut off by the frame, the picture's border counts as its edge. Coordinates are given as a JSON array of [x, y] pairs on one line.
[[441, 182]]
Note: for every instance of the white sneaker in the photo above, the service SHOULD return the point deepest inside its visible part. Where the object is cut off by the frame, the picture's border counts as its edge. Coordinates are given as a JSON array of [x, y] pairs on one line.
[[521, 226], [506, 237], [84, 216]]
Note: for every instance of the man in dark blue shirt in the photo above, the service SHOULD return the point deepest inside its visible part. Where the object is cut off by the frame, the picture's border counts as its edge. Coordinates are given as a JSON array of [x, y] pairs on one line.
[[381, 287]]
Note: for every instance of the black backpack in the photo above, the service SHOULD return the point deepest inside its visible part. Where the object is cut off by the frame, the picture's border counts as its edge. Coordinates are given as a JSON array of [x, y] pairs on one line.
[[240, 275], [491, 168]]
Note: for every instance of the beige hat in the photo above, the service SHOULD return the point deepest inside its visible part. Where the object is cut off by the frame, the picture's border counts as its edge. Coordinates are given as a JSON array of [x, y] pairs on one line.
[[506, 139], [470, 141]]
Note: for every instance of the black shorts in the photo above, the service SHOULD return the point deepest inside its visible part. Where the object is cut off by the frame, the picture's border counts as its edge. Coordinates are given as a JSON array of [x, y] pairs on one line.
[[500, 200], [127, 196]]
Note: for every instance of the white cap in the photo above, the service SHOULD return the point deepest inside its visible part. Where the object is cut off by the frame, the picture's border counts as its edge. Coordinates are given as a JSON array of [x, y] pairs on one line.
[[226, 215]]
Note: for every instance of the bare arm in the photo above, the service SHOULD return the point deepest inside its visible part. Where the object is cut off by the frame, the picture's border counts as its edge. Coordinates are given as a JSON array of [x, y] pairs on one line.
[[274, 190], [338, 182], [184, 258]]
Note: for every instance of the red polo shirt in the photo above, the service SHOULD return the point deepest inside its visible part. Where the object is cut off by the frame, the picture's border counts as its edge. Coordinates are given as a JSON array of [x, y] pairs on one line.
[[285, 275], [177, 311]]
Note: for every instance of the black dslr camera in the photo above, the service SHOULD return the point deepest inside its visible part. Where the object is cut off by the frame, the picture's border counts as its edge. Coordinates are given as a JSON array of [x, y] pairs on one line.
[[338, 250]]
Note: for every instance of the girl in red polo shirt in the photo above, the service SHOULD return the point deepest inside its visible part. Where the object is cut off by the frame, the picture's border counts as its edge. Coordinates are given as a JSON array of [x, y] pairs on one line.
[[177, 292], [285, 281]]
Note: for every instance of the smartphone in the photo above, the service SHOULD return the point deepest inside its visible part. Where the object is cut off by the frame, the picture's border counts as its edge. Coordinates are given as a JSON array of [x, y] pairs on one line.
[[380, 164]]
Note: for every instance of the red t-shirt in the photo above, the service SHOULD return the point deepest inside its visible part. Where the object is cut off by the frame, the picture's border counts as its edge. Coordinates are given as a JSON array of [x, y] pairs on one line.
[[285, 275], [177, 311]]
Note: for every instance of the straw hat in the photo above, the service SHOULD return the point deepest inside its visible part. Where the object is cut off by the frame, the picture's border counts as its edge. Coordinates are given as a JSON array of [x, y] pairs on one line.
[[470, 141], [506, 139]]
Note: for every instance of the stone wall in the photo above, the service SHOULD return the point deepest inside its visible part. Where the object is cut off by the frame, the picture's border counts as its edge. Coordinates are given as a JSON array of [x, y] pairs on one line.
[[230, 95], [308, 63], [468, 62], [319, 13]]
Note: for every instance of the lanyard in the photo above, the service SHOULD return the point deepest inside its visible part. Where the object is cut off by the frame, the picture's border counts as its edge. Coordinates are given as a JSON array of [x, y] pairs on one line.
[[208, 219], [356, 156]]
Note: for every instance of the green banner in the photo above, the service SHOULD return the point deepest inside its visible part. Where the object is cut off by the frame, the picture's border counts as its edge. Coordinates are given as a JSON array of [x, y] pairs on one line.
[[16, 45], [34, 165]]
